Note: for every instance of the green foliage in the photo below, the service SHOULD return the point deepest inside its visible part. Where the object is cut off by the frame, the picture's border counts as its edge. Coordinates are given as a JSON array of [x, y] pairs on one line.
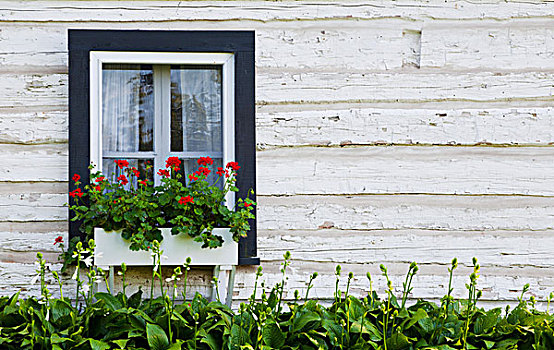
[[104, 321], [127, 202]]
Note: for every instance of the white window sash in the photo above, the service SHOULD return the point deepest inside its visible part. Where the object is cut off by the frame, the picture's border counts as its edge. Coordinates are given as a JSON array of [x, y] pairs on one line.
[[162, 127]]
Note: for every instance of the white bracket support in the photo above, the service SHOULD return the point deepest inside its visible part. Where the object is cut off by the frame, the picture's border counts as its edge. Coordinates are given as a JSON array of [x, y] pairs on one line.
[[223, 289]]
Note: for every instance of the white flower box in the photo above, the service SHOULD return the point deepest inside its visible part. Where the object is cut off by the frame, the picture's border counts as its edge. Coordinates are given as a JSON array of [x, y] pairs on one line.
[[112, 250]]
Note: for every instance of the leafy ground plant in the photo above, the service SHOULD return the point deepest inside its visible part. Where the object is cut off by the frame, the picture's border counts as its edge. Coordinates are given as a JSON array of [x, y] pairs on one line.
[[105, 320]]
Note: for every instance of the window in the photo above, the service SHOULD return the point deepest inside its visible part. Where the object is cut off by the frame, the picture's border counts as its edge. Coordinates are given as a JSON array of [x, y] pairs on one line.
[[147, 95]]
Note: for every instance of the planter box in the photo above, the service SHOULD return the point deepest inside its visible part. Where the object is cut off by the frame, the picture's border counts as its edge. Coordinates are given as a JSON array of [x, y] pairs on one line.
[[115, 250]]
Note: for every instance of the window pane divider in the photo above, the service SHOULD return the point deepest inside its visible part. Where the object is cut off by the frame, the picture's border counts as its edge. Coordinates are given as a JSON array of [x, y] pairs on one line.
[[162, 104], [122, 155]]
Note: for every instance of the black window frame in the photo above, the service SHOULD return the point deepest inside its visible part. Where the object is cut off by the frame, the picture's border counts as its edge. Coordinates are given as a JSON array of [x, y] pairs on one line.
[[240, 43]]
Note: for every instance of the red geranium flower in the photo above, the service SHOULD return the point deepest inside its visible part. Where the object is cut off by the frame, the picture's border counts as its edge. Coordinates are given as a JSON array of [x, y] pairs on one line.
[[142, 182], [220, 171], [172, 162], [204, 171], [192, 177], [233, 165], [123, 179], [77, 193], [164, 172], [98, 188], [246, 205], [76, 177], [135, 171], [185, 200], [121, 163], [100, 179], [177, 168], [205, 161], [58, 239]]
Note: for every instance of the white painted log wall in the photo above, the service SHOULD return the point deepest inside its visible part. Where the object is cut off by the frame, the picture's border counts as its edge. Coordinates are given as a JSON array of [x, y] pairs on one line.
[[387, 132]]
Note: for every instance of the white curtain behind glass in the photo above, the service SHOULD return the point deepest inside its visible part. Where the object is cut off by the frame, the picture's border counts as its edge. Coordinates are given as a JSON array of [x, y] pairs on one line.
[[127, 108], [198, 111]]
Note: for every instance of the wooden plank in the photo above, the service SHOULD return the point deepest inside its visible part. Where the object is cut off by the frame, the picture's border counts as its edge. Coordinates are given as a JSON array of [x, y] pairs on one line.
[[34, 127], [376, 212], [384, 44], [33, 207], [511, 249], [431, 282], [22, 163], [370, 126], [8, 188], [400, 212], [261, 11], [420, 86], [31, 90], [522, 44], [397, 169], [40, 227], [315, 170], [281, 88]]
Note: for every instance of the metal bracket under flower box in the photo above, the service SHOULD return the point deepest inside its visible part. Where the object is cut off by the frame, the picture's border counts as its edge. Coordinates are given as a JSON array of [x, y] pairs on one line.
[[112, 250]]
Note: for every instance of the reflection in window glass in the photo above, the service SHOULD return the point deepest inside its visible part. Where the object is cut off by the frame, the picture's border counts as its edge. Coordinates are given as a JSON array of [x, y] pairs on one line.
[[196, 109], [127, 108]]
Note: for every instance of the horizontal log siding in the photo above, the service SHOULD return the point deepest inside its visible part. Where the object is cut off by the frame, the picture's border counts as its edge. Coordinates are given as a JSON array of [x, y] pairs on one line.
[[403, 130]]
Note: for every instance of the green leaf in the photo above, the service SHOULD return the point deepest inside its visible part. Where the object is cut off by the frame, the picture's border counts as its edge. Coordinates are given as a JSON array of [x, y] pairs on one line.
[[398, 341], [426, 324], [238, 337], [489, 344], [176, 346], [98, 345], [273, 336], [211, 341], [157, 339], [111, 302], [121, 343], [59, 308], [418, 315], [486, 322], [304, 321]]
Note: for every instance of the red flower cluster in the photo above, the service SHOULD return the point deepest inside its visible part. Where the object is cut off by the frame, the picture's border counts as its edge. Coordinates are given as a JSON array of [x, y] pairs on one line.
[[121, 163], [205, 171], [98, 188], [164, 172], [233, 165], [193, 177], [76, 177], [58, 239], [173, 162], [142, 182], [246, 205], [135, 171], [123, 179], [185, 200], [77, 193], [100, 179], [220, 171], [205, 161]]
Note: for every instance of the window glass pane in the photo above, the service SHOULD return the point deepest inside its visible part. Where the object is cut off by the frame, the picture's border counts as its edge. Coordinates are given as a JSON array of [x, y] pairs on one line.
[[189, 166], [196, 108], [127, 107], [111, 171]]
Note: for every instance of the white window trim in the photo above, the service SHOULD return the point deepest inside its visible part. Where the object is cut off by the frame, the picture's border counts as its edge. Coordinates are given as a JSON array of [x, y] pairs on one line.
[[226, 60]]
